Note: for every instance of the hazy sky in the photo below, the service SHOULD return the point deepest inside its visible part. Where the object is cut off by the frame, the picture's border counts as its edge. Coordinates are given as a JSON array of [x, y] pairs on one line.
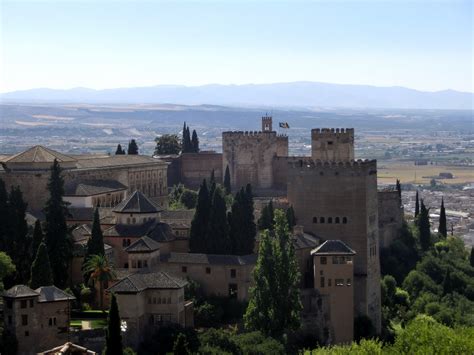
[[426, 45]]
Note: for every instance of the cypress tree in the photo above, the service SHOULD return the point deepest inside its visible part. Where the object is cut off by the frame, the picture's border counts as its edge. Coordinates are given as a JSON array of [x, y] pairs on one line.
[[195, 142], [188, 141], [184, 145], [241, 223], [471, 257], [200, 220], [447, 282], [266, 218], [424, 227], [37, 237], [4, 218], [113, 337], [56, 231], [290, 217], [250, 229], [212, 179], [442, 228], [274, 306], [417, 205], [20, 242], [399, 189], [132, 147], [119, 150], [41, 273], [95, 245], [181, 345], [217, 236], [227, 186]]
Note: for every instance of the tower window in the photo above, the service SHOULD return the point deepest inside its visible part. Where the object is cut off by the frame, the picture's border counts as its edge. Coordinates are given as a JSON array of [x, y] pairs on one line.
[[321, 219], [233, 273], [329, 219], [339, 282], [349, 282], [315, 219], [330, 142], [337, 220], [184, 269], [322, 282], [344, 220], [324, 260]]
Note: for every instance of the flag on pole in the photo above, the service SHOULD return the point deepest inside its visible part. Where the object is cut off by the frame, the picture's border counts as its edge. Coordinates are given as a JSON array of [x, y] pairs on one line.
[[284, 125]]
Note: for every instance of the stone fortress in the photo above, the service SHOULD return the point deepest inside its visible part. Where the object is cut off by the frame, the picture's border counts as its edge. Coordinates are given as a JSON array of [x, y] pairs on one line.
[[342, 217]]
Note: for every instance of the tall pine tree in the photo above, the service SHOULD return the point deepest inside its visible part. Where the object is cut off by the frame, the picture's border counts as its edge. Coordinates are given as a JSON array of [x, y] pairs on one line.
[[471, 257], [241, 223], [41, 273], [274, 306], [266, 217], [56, 231], [95, 245], [119, 150], [290, 217], [195, 142], [200, 220], [4, 216], [227, 185], [417, 205], [424, 227], [132, 147], [113, 336], [37, 237], [217, 235], [20, 240], [442, 228]]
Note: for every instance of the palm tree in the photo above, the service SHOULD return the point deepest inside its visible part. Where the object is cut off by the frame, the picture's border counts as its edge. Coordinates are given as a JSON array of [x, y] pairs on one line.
[[100, 271]]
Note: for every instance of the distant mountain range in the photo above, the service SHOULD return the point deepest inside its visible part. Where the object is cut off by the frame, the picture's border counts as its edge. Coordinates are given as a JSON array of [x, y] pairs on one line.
[[295, 94]]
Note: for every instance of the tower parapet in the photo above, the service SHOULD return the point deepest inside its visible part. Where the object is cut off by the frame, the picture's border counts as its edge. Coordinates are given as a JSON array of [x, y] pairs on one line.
[[332, 144]]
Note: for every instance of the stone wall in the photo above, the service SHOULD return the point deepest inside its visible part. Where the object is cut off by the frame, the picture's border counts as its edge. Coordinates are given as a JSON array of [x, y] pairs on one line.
[[339, 201], [249, 156], [390, 216], [332, 144], [198, 166]]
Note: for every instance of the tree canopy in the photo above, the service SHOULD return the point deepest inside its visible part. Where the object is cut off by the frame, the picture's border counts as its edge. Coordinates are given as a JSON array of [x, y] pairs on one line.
[[113, 336], [132, 147], [167, 144]]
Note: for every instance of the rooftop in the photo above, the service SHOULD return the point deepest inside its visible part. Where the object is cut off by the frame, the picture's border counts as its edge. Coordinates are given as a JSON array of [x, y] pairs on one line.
[[141, 281], [39, 154], [19, 291], [52, 294], [136, 203], [90, 188], [143, 245], [211, 259], [158, 231], [333, 247]]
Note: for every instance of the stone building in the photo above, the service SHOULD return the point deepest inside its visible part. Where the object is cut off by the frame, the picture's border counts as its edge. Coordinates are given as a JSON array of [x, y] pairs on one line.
[[31, 170], [390, 216], [148, 300], [249, 156], [39, 318], [333, 277]]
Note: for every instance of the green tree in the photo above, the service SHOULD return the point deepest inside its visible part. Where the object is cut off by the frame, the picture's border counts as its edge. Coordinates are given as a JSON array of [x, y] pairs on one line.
[[266, 217], [217, 234], [99, 271], [37, 237], [132, 147], [181, 345], [56, 231], [41, 273], [195, 142], [200, 220], [417, 205], [113, 337], [6, 268], [167, 144], [227, 185], [187, 144], [274, 305], [424, 227], [20, 242], [241, 223], [95, 244], [290, 217], [119, 150], [471, 257], [442, 229], [399, 189], [4, 216], [188, 198]]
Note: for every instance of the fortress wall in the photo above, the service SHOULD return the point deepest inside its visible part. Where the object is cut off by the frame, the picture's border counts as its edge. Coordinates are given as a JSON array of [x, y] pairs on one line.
[[198, 166], [249, 156], [390, 216], [341, 190]]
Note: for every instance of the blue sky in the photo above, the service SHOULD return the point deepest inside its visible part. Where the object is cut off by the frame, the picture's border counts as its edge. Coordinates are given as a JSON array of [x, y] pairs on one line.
[[425, 45]]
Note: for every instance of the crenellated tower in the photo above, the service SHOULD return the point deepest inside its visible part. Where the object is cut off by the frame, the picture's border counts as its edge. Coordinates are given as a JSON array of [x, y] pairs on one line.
[[332, 144]]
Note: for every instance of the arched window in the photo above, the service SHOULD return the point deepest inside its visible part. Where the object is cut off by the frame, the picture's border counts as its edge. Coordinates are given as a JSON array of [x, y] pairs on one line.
[[344, 220], [336, 220], [315, 219], [321, 219], [329, 219], [134, 220]]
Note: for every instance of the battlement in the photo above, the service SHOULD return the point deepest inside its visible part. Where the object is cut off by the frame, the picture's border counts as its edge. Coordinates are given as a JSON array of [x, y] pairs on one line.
[[309, 164], [330, 131], [248, 134]]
